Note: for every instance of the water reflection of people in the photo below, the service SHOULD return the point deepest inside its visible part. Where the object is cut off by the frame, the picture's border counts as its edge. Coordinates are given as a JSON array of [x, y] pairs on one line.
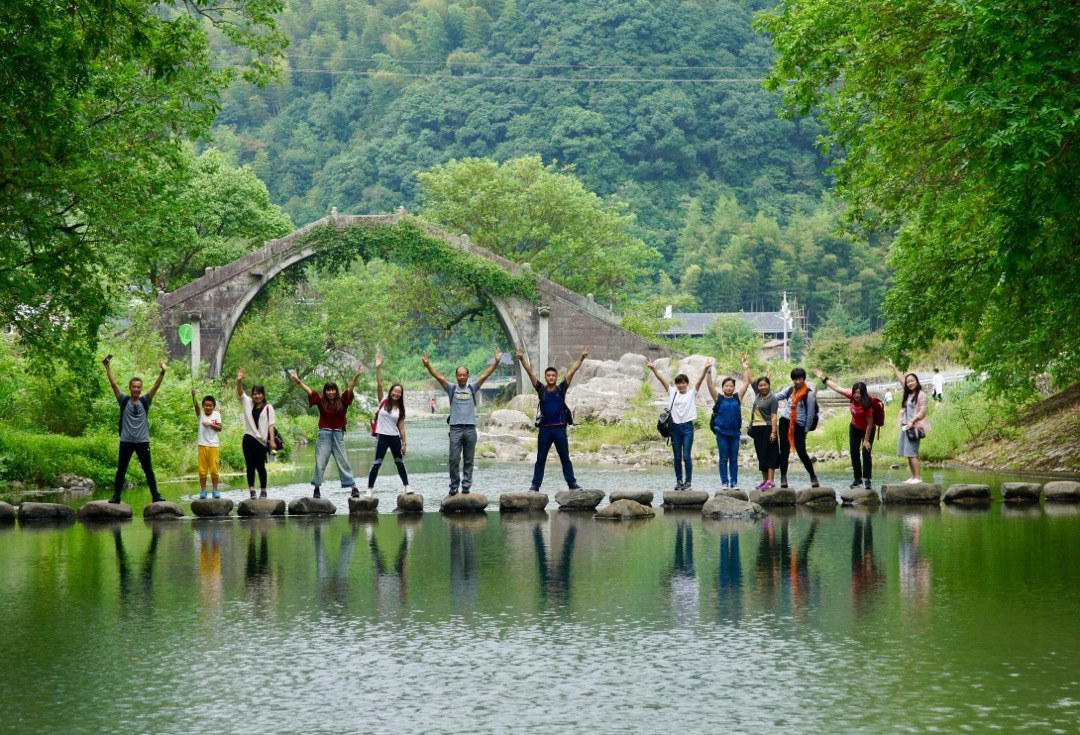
[[729, 577], [143, 582], [463, 576], [555, 569], [682, 582], [210, 582], [914, 570], [391, 588], [334, 583], [866, 574], [261, 580], [780, 572]]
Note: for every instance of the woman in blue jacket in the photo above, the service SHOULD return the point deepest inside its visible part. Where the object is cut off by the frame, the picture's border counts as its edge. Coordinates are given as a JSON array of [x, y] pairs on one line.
[[726, 424]]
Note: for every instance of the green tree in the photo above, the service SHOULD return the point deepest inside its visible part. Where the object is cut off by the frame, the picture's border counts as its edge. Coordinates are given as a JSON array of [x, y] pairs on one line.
[[530, 212], [729, 336], [956, 123], [96, 99]]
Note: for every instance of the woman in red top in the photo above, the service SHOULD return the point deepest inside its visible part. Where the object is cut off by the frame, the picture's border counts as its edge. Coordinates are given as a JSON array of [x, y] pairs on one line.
[[861, 430], [331, 438]]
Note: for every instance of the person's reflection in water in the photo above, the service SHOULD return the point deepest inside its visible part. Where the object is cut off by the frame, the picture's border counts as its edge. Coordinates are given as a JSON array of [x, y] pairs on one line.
[[682, 583], [210, 583], [729, 579], [132, 585], [801, 587], [261, 580], [866, 574], [391, 583], [914, 570], [334, 584], [773, 559], [555, 572], [463, 576]]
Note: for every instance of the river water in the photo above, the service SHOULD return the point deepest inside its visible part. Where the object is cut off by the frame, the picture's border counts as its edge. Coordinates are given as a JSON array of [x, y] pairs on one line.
[[849, 621]]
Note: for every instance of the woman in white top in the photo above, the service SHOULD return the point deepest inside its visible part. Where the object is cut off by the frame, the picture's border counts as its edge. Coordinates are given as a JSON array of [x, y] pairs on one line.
[[389, 430], [258, 432], [682, 400]]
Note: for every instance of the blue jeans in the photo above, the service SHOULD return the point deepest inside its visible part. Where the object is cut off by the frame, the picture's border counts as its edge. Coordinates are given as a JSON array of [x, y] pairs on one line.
[[728, 447], [553, 435], [682, 441], [331, 441]]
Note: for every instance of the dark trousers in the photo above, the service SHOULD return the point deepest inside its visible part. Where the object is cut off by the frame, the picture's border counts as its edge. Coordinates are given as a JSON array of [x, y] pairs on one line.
[[142, 450], [255, 460], [800, 448], [548, 436], [768, 453], [393, 443], [864, 469]]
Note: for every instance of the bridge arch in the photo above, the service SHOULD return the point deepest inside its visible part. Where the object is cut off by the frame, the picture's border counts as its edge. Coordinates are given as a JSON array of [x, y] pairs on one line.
[[545, 320]]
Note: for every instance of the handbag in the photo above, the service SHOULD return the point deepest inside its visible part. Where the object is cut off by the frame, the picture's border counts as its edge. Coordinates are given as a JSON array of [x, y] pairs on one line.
[[663, 424], [375, 418], [915, 433]]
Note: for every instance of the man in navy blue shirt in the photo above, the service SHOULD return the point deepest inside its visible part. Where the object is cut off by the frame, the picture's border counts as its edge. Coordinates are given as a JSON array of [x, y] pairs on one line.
[[552, 413]]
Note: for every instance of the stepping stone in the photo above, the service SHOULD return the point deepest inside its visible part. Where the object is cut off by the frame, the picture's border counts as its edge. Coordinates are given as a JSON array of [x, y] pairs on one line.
[[967, 493], [860, 496], [817, 496], [261, 507], [685, 499], [511, 502], [645, 497], [1062, 491], [732, 493], [102, 510], [465, 503], [579, 499], [624, 509], [363, 504], [163, 509], [1021, 492], [916, 493], [211, 507], [775, 496], [309, 506], [7, 511], [410, 503], [725, 506], [44, 512]]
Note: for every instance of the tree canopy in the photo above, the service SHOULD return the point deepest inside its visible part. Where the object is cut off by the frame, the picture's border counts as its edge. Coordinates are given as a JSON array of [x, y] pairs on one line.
[[955, 123]]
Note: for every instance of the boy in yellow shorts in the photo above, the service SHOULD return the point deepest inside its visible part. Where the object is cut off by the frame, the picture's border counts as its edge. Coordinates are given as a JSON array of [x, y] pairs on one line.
[[209, 426]]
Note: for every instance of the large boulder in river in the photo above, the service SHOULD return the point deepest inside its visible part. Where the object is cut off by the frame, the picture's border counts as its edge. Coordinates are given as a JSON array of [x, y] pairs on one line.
[[511, 419], [527, 501], [7, 512], [967, 493], [723, 506], [732, 492], [410, 503], [817, 496], [860, 496], [773, 496], [645, 497], [45, 512], [163, 509], [914, 494], [211, 507], [309, 506], [685, 499], [579, 499], [1021, 492], [1067, 491], [464, 503], [363, 504], [260, 507], [624, 509], [103, 510]]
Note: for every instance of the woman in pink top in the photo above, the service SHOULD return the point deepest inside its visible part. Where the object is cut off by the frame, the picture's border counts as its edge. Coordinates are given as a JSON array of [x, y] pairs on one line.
[[912, 416]]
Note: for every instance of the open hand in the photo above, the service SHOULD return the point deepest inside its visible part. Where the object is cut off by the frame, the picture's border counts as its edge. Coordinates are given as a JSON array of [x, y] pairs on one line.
[[240, 374], [424, 359], [818, 374]]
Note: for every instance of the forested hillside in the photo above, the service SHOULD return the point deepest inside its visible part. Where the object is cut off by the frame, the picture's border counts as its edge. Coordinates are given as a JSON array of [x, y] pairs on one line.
[[655, 103]]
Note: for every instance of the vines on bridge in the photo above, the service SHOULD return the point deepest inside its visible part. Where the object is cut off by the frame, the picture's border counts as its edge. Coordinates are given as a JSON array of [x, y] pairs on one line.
[[406, 243]]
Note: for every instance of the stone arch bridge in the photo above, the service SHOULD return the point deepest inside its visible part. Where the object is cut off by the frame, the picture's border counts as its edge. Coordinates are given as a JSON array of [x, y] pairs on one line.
[[550, 331]]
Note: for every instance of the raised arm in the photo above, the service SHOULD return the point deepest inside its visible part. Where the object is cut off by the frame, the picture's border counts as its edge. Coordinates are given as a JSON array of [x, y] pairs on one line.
[[240, 383], [649, 364], [157, 383], [378, 377], [195, 403], [525, 364], [360, 367], [897, 373], [487, 372], [828, 383], [747, 377], [435, 373], [107, 362], [577, 363], [711, 386], [701, 378], [296, 379]]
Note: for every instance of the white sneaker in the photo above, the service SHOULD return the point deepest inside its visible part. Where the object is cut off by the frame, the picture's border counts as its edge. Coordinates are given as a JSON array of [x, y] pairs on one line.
[[408, 490], [370, 492], [912, 481]]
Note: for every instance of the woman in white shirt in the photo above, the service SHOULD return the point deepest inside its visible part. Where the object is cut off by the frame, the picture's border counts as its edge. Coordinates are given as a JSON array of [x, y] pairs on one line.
[[389, 430], [258, 432], [682, 400]]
